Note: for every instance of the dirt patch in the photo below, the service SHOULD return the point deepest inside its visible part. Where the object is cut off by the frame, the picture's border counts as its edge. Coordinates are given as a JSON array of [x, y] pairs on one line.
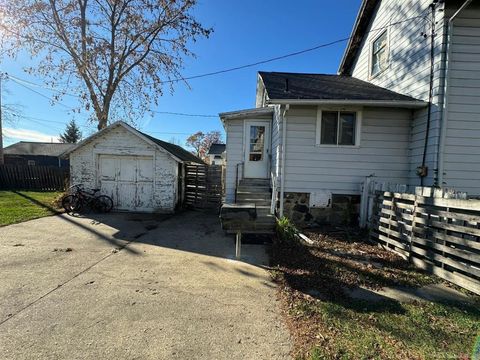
[[342, 259]]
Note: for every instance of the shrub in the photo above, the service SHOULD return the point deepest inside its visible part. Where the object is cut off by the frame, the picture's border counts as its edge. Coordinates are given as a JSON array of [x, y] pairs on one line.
[[286, 231]]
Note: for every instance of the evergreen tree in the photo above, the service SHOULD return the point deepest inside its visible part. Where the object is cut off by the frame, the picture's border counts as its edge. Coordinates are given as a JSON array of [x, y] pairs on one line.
[[72, 133]]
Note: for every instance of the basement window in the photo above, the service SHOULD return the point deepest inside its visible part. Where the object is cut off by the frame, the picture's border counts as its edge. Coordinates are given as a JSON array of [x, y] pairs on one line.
[[338, 128]]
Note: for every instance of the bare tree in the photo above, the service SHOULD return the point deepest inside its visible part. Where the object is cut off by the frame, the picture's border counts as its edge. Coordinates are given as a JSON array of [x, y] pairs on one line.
[[201, 142], [115, 54]]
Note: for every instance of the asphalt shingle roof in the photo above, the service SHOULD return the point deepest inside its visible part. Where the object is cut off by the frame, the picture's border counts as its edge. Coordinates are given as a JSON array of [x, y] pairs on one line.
[[175, 150], [298, 86], [37, 148], [216, 149]]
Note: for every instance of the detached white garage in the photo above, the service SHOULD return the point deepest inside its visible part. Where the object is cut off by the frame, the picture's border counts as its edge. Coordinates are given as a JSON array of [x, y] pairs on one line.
[[140, 173]]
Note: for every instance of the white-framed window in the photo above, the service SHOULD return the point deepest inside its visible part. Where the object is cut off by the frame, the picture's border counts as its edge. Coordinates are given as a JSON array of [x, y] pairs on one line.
[[338, 127], [379, 54], [31, 162]]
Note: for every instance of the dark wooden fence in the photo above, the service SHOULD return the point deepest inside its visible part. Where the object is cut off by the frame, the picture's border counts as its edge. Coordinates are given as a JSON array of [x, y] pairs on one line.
[[439, 235], [24, 177], [203, 186]]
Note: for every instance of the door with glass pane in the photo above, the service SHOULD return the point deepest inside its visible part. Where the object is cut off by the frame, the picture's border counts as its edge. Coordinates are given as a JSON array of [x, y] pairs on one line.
[[257, 142]]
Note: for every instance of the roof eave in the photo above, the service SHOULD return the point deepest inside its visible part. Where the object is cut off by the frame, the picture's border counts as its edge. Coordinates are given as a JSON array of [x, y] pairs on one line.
[[350, 52], [245, 113], [409, 104]]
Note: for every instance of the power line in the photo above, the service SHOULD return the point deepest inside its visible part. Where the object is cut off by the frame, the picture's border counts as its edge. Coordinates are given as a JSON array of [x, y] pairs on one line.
[[168, 133], [296, 53], [43, 86], [255, 63], [22, 82], [240, 67], [42, 95], [185, 114]]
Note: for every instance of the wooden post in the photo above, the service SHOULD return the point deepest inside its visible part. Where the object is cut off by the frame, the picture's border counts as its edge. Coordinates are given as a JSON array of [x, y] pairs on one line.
[[364, 202], [238, 245], [414, 224]]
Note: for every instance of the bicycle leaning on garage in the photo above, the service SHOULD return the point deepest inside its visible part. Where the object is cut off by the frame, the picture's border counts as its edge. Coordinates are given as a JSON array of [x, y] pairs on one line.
[[80, 198]]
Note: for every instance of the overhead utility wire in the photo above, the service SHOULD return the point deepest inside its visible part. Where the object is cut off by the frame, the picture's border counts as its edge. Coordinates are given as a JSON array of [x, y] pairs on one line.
[[23, 83], [184, 114], [42, 86], [296, 53], [42, 95]]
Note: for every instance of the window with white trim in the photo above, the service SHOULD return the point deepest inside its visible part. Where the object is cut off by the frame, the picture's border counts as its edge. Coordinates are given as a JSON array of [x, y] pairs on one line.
[[379, 54], [338, 128]]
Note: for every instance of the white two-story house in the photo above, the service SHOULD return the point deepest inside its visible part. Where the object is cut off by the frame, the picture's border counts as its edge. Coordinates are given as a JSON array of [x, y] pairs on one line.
[[404, 106]]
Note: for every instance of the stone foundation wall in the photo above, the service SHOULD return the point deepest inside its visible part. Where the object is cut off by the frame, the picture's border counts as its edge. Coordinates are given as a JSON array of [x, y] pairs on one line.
[[344, 210]]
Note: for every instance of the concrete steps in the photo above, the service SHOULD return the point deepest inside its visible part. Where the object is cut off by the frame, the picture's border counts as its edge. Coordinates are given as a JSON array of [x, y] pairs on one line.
[[257, 192], [255, 182]]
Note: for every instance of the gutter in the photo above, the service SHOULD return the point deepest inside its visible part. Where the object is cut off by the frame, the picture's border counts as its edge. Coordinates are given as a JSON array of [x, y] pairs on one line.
[[414, 104], [284, 148], [446, 76]]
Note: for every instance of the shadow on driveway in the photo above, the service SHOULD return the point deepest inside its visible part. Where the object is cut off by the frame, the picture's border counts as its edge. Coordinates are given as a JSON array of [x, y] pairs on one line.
[[191, 230]]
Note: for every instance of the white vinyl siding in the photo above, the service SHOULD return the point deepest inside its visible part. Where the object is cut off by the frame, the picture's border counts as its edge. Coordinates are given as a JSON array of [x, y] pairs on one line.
[[235, 152], [462, 143], [383, 151], [234, 155], [408, 71]]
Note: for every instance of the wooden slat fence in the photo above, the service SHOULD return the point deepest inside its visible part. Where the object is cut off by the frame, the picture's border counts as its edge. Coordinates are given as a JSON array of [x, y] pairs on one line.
[[439, 235], [203, 186], [24, 177]]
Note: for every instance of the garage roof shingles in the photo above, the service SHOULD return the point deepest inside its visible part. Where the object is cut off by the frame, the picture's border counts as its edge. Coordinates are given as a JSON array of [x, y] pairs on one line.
[[175, 150], [299, 86]]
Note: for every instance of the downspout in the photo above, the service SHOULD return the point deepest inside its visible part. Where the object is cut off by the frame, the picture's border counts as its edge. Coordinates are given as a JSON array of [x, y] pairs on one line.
[[284, 148], [446, 76], [422, 171]]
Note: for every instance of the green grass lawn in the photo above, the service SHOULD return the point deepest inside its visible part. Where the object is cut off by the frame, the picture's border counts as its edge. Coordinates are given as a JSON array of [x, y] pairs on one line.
[[21, 206]]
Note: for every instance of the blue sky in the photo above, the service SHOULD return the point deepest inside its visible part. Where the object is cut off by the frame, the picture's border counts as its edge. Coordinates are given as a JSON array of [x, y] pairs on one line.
[[244, 32]]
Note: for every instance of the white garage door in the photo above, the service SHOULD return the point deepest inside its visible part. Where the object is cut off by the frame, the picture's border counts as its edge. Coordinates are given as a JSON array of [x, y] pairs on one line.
[[128, 180]]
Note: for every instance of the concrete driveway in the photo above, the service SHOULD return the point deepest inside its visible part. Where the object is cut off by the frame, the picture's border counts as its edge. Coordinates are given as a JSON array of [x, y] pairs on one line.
[[134, 287]]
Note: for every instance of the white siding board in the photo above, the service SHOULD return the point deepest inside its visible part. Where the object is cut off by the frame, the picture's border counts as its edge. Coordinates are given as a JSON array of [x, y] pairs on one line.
[[383, 150], [409, 68], [234, 156], [462, 143]]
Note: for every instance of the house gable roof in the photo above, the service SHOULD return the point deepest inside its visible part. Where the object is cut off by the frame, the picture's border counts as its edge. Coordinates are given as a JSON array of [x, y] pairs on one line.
[[216, 149], [175, 151], [37, 148], [299, 86], [365, 13]]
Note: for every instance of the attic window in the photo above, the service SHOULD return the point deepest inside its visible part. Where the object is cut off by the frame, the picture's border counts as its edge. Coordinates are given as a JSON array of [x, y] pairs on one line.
[[379, 60]]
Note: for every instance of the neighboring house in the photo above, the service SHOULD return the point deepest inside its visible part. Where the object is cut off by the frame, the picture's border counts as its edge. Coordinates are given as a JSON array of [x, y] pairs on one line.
[[141, 173], [216, 154], [36, 154], [316, 137]]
